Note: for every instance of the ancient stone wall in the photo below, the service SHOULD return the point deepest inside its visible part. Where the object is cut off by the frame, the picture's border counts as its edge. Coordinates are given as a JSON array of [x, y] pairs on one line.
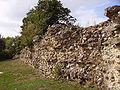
[[88, 55]]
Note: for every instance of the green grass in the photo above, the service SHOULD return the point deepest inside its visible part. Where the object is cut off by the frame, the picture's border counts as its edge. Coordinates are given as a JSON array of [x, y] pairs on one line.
[[19, 76]]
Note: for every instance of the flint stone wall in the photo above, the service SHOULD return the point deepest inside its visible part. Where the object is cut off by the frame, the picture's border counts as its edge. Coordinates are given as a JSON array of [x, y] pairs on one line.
[[88, 55]]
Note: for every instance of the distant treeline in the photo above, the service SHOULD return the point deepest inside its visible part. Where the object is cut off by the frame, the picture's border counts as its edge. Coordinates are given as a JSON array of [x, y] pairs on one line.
[[46, 13], [9, 47]]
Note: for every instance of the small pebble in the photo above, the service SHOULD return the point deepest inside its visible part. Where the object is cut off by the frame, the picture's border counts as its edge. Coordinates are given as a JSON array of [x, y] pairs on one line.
[[1, 72]]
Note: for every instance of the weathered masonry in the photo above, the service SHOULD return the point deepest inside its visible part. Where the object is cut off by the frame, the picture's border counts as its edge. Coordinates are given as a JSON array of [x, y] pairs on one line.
[[88, 55]]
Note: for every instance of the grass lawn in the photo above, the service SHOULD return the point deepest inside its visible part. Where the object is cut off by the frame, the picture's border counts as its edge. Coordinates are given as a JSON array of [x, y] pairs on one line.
[[19, 76]]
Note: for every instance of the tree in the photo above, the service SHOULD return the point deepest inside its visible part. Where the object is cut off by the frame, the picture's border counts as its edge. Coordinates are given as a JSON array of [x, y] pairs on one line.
[[46, 13], [2, 47], [13, 47], [2, 44], [17, 44], [9, 50]]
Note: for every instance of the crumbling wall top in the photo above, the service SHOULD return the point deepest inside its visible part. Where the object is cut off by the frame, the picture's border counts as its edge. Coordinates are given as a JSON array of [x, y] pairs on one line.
[[113, 13]]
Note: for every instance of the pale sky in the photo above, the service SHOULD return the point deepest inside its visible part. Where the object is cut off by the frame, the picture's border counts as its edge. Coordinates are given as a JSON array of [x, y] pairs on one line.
[[87, 12]]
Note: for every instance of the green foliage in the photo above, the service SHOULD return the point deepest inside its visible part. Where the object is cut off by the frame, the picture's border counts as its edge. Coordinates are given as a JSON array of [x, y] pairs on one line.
[[13, 45], [46, 13], [17, 44], [2, 44], [2, 47], [57, 70], [9, 47]]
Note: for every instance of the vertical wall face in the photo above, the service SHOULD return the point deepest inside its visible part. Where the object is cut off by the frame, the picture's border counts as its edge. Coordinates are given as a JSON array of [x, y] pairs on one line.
[[111, 57], [88, 55], [111, 50]]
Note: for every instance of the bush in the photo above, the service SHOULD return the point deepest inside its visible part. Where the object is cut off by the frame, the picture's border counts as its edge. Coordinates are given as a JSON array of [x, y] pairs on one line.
[[57, 70]]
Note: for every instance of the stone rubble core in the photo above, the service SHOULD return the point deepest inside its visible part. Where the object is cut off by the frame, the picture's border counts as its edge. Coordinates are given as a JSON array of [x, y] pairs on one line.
[[88, 55]]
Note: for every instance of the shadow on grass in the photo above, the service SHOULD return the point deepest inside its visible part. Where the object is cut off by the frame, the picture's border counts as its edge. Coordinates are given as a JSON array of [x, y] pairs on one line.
[[10, 59]]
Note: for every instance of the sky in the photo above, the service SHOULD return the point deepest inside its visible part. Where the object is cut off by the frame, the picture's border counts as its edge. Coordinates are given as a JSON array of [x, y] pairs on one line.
[[87, 12]]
